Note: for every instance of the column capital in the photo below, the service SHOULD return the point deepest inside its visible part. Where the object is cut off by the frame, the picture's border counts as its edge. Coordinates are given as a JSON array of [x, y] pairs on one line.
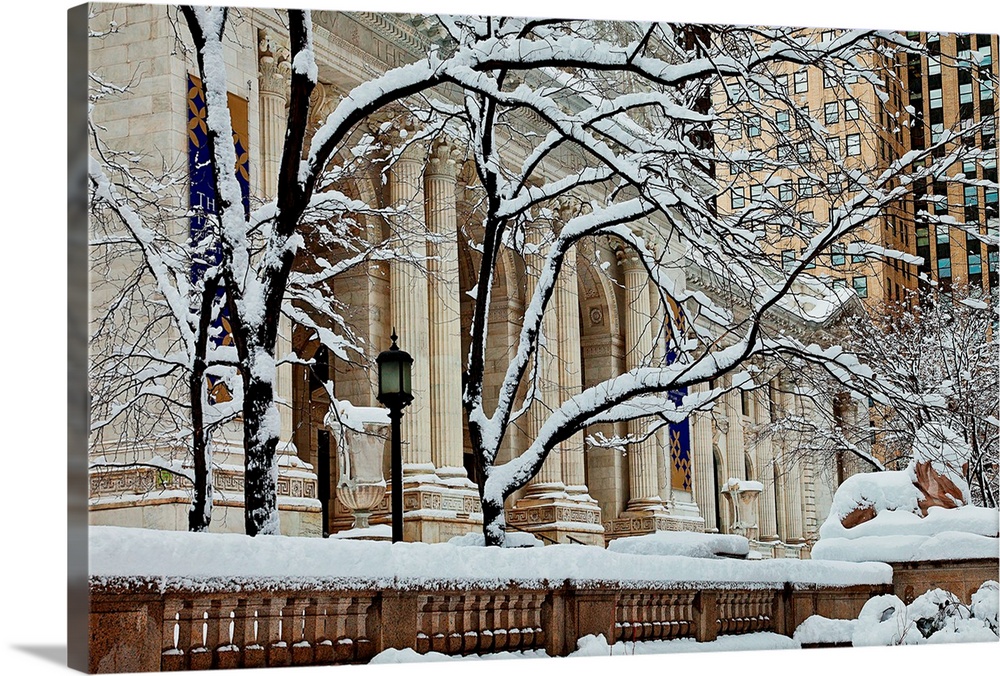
[[274, 64], [323, 101], [443, 159]]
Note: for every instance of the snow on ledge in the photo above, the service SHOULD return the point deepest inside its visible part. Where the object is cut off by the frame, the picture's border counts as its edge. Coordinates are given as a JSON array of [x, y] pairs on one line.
[[195, 560], [680, 543]]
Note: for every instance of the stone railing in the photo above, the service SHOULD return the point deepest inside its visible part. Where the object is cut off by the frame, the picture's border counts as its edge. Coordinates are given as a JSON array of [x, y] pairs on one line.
[[157, 625]]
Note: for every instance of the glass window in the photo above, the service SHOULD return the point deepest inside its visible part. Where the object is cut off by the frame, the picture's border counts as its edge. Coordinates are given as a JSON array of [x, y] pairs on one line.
[[781, 121], [805, 187], [971, 195], [944, 267], [782, 82], [738, 198], [811, 265], [965, 93], [861, 286], [838, 256], [785, 192], [735, 129], [851, 111], [831, 113], [943, 234], [756, 193], [975, 264], [991, 257], [853, 145], [788, 259], [802, 152], [833, 145], [828, 81], [935, 99], [923, 236], [858, 257], [753, 126], [840, 283], [801, 82]]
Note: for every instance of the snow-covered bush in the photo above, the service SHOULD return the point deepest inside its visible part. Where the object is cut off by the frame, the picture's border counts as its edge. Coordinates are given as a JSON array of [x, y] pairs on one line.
[[938, 616]]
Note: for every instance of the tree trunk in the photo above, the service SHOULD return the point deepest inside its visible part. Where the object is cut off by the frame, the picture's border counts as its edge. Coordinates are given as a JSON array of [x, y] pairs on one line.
[[200, 515], [260, 439], [494, 523]]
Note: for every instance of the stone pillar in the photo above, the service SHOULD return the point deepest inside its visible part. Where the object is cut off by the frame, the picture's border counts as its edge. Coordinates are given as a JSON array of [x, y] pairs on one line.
[[443, 314], [703, 465], [556, 504], [409, 313], [643, 491], [570, 370], [792, 464]]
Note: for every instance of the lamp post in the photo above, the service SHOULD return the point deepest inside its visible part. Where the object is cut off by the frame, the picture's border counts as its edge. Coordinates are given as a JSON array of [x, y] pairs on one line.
[[394, 392]]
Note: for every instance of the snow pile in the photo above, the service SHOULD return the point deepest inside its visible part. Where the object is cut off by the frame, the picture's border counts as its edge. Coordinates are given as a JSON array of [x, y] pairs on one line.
[[881, 491], [597, 646], [513, 539], [817, 629], [698, 545], [380, 531], [895, 536], [196, 560], [396, 656], [934, 617]]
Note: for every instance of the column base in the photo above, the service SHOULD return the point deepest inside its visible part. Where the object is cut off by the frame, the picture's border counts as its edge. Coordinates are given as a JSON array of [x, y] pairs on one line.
[[643, 522], [436, 510], [562, 520]]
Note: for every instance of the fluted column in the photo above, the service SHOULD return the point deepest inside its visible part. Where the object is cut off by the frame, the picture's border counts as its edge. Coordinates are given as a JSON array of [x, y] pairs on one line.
[[792, 466], [643, 489], [567, 305], [703, 464], [409, 303], [764, 458], [443, 313], [735, 461], [274, 66], [549, 477]]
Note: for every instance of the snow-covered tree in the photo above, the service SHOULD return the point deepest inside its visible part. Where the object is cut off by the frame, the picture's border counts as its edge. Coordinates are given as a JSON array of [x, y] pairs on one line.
[[635, 104], [619, 124]]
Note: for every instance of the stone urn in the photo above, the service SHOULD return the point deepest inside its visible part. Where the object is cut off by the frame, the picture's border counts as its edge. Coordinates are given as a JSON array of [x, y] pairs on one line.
[[742, 496], [361, 433]]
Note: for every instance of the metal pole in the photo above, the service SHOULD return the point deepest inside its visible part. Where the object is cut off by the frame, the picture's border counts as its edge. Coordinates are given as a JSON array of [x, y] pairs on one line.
[[395, 416]]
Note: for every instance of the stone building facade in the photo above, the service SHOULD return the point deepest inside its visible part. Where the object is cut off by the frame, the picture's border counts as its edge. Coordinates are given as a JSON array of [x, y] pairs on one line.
[[604, 322]]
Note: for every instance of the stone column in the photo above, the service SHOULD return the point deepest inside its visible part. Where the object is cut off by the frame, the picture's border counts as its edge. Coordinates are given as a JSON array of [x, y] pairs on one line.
[[274, 67], [549, 477], [556, 505], [643, 489], [703, 465], [408, 285], [570, 370], [792, 464], [443, 314]]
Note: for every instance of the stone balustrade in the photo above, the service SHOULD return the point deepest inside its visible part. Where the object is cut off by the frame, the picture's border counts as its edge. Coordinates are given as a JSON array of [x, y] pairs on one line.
[[163, 625]]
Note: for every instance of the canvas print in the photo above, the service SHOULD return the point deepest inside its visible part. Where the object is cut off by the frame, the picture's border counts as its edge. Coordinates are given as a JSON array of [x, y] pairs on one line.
[[421, 337]]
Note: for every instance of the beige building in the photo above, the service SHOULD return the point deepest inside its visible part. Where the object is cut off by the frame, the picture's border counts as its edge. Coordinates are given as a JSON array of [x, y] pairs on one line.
[[925, 96], [605, 321]]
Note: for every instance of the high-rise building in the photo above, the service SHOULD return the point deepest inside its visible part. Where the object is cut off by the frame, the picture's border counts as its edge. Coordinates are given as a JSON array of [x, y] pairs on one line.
[[820, 135]]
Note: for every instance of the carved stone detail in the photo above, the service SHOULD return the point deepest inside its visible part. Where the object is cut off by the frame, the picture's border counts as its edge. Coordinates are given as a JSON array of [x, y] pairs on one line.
[[274, 64]]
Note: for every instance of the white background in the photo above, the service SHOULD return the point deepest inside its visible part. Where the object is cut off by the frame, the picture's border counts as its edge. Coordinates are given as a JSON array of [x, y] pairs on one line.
[[33, 328]]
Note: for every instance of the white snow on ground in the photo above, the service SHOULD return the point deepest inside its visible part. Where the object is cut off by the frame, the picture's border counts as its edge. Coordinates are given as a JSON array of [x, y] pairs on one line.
[[513, 539], [380, 531], [597, 646], [187, 559], [699, 545]]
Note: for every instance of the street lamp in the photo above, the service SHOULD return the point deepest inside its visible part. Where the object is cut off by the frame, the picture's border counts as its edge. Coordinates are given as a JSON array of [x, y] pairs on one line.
[[394, 392]]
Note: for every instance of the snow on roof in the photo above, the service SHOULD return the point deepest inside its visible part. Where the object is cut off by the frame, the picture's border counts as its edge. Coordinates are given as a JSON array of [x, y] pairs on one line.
[[194, 560], [698, 545]]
